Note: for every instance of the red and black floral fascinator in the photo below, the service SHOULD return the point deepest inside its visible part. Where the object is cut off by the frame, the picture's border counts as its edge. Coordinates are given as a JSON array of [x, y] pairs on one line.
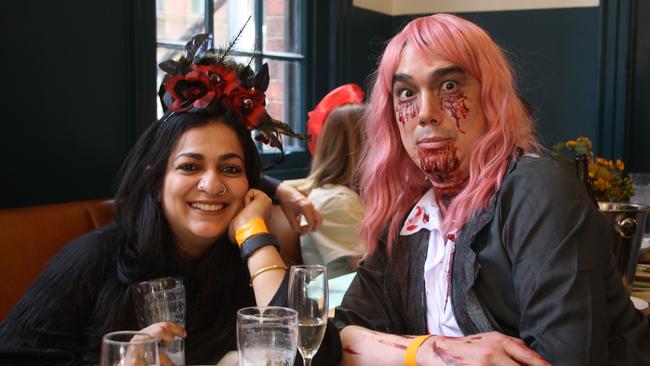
[[207, 79]]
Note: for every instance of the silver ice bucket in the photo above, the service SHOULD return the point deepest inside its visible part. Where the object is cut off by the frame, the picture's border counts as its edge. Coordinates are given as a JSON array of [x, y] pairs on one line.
[[628, 221]]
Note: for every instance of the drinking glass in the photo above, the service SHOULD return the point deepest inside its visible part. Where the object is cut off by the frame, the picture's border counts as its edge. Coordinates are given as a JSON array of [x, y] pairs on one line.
[[162, 300], [308, 295], [129, 349], [267, 336]]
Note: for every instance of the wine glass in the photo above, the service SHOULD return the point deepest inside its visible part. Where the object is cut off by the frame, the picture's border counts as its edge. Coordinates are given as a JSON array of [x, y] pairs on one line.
[[267, 336], [308, 295], [129, 348], [162, 300]]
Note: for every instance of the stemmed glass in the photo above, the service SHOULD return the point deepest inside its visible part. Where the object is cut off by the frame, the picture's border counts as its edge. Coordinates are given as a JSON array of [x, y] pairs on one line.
[[162, 300], [129, 348], [308, 295]]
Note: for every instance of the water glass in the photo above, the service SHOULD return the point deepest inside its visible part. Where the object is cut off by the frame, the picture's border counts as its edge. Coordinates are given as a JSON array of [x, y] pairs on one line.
[[128, 348], [267, 336], [308, 295], [162, 300]]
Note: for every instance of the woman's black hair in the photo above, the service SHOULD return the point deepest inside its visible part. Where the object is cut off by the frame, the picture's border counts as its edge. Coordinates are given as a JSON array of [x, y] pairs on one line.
[[137, 206], [145, 245]]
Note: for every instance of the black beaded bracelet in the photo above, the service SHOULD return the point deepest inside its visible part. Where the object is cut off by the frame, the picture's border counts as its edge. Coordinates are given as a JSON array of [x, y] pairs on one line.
[[255, 242]]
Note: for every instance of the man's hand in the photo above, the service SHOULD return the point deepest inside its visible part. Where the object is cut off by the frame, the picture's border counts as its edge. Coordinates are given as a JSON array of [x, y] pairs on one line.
[[294, 204], [481, 349]]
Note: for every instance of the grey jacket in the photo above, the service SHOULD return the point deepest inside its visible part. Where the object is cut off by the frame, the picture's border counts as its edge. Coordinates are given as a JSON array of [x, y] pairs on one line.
[[534, 264]]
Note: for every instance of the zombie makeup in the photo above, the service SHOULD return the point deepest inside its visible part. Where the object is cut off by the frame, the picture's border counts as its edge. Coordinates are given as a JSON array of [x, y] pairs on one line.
[[439, 163], [393, 344], [441, 166], [455, 105], [348, 349], [447, 357], [406, 110]]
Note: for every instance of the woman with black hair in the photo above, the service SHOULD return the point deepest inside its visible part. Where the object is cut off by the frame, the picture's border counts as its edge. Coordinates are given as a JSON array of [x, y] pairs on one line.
[[188, 205]]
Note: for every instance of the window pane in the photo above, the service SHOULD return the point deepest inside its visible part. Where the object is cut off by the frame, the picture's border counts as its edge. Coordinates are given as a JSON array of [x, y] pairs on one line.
[[280, 30], [229, 17], [283, 97], [179, 20]]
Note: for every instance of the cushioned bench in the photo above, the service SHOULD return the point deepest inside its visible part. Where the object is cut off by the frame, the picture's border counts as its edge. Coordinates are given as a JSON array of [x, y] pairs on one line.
[[30, 237]]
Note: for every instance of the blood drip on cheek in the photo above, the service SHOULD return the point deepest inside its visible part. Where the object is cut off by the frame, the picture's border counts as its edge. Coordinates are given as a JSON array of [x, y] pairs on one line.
[[455, 105], [405, 111]]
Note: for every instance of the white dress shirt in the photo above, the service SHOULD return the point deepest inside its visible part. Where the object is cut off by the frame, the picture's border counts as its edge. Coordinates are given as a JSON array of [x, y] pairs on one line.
[[437, 268]]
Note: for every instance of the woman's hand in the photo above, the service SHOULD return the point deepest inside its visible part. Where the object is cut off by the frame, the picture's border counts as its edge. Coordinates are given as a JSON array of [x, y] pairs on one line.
[[295, 204], [481, 349], [165, 332], [256, 204]]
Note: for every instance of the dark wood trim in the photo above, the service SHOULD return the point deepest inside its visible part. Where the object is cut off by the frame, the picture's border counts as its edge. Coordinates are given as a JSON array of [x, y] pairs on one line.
[[141, 97]]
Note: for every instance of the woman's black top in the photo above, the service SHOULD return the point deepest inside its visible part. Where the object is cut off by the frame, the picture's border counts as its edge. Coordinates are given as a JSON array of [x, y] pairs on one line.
[[79, 297]]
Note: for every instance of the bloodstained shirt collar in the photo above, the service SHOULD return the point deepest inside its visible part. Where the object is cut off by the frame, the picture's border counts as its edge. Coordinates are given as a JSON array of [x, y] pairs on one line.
[[424, 215]]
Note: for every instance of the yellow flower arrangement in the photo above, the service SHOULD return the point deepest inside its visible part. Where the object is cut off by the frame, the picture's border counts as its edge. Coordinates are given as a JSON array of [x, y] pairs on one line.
[[605, 176]]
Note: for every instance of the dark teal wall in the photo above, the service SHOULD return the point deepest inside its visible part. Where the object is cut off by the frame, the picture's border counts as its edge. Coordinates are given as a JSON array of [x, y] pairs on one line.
[[70, 101], [638, 148], [352, 40], [555, 54]]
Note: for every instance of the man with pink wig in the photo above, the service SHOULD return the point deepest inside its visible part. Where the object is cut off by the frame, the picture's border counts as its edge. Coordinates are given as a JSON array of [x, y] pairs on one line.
[[479, 251]]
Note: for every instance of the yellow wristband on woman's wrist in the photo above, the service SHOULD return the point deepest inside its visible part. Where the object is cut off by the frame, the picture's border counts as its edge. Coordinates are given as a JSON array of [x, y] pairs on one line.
[[412, 350], [253, 227]]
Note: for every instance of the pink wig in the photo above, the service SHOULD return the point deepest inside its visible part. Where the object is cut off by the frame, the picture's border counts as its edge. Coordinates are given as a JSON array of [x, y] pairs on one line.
[[391, 183]]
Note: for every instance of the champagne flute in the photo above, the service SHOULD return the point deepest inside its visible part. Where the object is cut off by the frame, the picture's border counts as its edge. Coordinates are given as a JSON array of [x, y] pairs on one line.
[[308, 295], [129, 348]]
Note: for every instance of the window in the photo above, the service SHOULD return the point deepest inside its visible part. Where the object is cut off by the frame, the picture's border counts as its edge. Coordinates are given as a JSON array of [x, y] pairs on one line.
[[272, 36]]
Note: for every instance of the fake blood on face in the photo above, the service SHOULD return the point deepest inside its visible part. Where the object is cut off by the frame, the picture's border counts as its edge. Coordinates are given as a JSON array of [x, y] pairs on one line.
[[455, 105], [439, 163], [442, 168], [406, 110]]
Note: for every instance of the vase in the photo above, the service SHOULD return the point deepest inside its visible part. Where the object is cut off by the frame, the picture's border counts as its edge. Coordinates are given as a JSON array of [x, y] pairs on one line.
[[628, 221]]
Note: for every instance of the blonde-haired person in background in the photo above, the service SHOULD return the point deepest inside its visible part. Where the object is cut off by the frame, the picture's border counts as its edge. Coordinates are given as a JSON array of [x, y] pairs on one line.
[[333, 189], [331, 185]]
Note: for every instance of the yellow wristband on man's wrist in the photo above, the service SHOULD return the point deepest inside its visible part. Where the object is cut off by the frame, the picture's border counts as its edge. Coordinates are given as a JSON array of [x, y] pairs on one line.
[[253, 227], [412, 350]]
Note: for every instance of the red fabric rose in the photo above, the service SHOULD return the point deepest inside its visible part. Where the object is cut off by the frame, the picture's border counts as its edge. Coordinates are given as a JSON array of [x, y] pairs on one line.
[[190, 90], [249, 104], [223, 79]]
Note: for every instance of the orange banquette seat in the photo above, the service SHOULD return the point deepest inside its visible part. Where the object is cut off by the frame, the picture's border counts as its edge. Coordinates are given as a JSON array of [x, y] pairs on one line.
[[30, 236]]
